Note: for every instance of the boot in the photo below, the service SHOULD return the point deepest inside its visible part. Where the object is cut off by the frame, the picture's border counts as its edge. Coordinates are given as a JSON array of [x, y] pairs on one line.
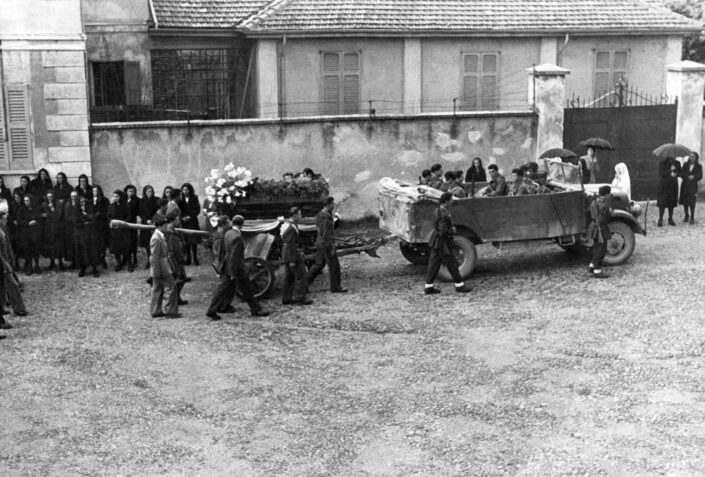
[[52, 265], [82, 272], [37, 270], [27, 267], [118, 263], [61, 266], [188, 255], [130, 263], [95, 271], [195, 255]]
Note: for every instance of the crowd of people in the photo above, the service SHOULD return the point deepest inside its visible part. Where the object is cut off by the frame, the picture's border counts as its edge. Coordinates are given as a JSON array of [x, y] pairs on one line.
[[691, 172]]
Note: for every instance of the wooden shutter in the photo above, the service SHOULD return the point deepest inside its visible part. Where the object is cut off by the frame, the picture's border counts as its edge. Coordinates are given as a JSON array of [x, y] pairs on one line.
[[351, 83], [603, 82], [133, 83], [4, 159], [471, 82], [17, 100], [488, 83], [331, 83]]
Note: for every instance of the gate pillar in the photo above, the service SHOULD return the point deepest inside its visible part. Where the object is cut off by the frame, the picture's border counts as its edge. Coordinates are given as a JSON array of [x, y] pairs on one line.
[[547, 98], [686, 81]]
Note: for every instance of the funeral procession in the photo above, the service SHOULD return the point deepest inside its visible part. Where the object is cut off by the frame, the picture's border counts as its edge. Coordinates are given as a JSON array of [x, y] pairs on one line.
[[352, 238]]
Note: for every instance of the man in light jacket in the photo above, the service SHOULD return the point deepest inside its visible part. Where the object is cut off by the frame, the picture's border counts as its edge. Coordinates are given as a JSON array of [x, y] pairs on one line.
[[162, 275]]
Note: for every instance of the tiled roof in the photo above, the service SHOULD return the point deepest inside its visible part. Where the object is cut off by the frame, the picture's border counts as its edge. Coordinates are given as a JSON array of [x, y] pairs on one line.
[[206, 13], [472, 16], [419, 16]]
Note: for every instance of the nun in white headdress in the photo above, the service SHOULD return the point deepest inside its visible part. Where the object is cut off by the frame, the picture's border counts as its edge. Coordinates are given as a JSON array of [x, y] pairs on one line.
[[621, 179]]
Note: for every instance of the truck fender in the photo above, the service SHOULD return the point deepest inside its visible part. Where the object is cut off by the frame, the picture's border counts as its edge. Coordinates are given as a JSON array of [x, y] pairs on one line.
[[627, 218]]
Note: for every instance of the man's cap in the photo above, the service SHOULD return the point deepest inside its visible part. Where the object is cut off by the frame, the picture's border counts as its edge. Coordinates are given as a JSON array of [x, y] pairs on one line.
[[493, 166], [238, 220], [518, 171], [605, 189]]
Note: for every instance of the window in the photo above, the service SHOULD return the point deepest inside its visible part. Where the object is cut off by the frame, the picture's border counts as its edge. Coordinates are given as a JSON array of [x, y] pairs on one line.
[[610, 68], [15, 139], [116, 83], [202, 82], [341, 82], [480, 81]]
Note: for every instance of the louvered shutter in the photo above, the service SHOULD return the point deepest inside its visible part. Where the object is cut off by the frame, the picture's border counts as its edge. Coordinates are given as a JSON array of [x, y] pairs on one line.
[[331, 83], [603, 82], [351, 83], [488, 83], [17, 100], [133, 83], [471, 81], [4, 159]]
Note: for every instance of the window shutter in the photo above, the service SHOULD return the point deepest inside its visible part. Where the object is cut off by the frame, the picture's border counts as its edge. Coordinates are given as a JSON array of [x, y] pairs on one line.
[[133, 83], [4, 162], [488, 84], [603, 82], [331, 93], [351, 83], [619, 66], [18, 127], [471, 82]]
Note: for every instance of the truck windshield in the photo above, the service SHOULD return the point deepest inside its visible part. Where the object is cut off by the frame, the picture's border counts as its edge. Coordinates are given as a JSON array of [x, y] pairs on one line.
[[564, 172]]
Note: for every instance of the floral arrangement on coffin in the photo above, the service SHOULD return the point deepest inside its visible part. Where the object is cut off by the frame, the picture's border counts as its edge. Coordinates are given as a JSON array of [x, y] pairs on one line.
[[229, 185]]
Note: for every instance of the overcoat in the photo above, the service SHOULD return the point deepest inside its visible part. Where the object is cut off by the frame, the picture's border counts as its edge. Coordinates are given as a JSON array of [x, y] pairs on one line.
[[668, 185], [119, 238], [689, 187]]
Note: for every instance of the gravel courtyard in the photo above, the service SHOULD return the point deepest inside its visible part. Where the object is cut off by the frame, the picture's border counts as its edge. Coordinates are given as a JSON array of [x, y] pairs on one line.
[[540, 371]]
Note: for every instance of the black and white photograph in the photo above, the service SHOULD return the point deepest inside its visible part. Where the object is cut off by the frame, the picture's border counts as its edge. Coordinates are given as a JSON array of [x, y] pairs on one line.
[[355, 238]]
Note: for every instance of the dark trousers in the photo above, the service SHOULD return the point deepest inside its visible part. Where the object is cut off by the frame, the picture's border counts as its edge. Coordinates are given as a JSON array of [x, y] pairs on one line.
[[225, 292], [661, 211], [689, 208], [295, 285], [324, 256], [435, 260], [10, 289], [599, 250]]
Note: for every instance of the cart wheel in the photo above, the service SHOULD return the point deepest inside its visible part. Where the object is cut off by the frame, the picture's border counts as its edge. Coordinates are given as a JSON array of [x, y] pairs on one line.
[[414, 253], [465, 254], [621, 244], [261, 276]]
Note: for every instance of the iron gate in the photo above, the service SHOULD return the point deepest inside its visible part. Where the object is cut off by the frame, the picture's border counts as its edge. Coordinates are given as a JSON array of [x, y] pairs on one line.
[[634, 124]]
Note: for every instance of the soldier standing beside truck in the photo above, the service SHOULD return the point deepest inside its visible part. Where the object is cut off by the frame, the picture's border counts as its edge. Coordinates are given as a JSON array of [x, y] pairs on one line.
[[599, 231]]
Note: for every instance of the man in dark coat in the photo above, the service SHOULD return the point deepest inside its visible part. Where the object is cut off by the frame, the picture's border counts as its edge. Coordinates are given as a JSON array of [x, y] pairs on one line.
[[9, 288], [599, 231], [294, 289], [442, 244], [218, 238], [692, 173], [175, 244], [234, 274], [325, 248], [667, 197]]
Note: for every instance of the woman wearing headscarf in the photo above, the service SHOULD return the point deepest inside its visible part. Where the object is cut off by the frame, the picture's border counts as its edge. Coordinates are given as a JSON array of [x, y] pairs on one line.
[[133, 203], [84, 238], [149, 204], [621, 179], [23, 189], [53, 231], [40, 185], [84, 188], [14, 226], [476, 173], [119, 238], [667, 197], [98, 205], [29, 219], [190, 208], [692, 173], [166, 194], [70, 208], [62, 189], [5, 193]]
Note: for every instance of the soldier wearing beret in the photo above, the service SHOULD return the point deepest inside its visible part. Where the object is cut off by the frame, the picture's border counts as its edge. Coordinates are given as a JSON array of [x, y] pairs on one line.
[[325, 248], [442, 244], [599, 231]]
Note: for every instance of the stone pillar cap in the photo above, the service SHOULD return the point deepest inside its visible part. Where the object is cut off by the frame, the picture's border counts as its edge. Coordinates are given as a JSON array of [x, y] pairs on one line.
[[686, 66], [547, 69]]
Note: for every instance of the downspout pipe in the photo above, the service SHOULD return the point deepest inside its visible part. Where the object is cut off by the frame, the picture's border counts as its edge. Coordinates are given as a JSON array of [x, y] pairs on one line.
[[560, 52], [154, 15]]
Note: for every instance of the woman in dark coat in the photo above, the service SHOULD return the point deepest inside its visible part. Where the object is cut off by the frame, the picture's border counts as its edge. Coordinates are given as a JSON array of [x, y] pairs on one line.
[[119, 238], [84, 238], [5, 193], [70, 208], [84, 188], [23, 189], [149, 204], [14, 226], [62, 189], [29, 219], [53, 231], [133, 203], [98, 205], [692, 173], [190, 208], [40, 185], [476, 173], [667, 197]]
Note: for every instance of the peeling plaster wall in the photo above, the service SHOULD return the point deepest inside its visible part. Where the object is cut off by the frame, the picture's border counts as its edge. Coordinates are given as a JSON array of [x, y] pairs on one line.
[[353, 154]]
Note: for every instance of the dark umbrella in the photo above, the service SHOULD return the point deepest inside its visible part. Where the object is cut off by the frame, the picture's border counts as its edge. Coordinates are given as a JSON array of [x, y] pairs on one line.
[[597, 143], [672, 150], [558, 152]]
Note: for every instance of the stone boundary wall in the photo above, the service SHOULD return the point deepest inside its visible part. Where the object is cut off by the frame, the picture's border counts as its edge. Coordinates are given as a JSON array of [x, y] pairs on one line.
[[352, 153]]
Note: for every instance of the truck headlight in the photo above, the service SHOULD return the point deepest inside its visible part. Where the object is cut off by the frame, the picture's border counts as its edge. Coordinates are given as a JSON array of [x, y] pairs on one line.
[[635, 209]]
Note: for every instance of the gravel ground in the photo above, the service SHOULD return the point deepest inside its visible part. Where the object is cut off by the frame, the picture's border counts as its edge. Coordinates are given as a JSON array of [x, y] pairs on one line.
[[540, 371]]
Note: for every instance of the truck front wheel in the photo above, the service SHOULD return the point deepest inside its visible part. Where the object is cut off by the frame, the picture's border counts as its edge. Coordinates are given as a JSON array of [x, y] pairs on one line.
[[621, 243], [465, 254]]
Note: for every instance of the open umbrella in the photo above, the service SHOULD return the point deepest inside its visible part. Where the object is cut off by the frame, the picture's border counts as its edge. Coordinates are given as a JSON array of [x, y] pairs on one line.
[[597, 143], [672, 150], [558, 152]]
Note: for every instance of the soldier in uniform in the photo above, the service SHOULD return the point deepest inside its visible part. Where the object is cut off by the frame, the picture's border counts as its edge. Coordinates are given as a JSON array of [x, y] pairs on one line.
[[295, 286], [436, 179], [441, 244], [599, 232], [325, 248], [498, 185], [175, 244], [223, 225]]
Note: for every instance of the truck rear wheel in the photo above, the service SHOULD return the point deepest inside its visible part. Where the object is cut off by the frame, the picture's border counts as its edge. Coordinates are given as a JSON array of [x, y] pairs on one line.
[[465, 254], [415, 253], [621, 243]]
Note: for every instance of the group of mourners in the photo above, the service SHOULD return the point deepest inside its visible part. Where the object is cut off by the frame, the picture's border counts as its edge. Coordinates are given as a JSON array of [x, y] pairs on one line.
[[526, 180], [691, 172]]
